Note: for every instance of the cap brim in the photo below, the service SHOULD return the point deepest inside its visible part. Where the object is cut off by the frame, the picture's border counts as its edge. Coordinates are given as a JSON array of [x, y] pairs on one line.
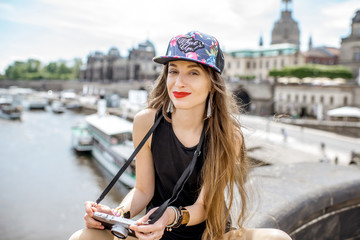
[[166, 59]]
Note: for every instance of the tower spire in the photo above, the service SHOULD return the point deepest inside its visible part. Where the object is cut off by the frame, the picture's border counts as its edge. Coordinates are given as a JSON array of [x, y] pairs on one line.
[[261, 42], [286, 7]]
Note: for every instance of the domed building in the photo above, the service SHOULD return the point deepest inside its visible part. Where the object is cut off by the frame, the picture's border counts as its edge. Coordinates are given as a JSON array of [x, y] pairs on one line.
[[286, 29], [114, 68]]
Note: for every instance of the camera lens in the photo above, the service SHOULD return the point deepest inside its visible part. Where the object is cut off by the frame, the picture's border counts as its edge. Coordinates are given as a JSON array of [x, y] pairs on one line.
[[119, 231]]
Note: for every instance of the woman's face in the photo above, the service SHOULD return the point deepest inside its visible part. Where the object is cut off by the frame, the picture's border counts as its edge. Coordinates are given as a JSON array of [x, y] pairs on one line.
[[188, 85]]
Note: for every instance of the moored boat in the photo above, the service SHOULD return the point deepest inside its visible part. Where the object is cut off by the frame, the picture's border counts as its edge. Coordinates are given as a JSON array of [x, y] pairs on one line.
[[34, 102], [112, 144], [8, 110], [57, 107], [81, 139]]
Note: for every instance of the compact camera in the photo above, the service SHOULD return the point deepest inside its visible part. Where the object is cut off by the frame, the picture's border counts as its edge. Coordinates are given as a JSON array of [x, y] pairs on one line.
[[118, 226]]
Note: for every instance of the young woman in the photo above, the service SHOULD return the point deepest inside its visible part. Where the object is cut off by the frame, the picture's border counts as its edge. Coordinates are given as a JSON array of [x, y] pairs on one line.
[[191, 95]]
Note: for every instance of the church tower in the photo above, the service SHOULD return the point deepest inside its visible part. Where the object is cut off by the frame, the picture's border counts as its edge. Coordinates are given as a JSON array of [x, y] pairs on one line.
[[286, 29]]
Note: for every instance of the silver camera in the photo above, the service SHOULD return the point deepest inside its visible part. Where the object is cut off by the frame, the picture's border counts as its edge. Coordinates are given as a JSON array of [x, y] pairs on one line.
[[118, 226]]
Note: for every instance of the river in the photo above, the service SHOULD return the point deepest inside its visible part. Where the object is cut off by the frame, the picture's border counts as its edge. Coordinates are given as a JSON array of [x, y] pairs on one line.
[[44, 183]]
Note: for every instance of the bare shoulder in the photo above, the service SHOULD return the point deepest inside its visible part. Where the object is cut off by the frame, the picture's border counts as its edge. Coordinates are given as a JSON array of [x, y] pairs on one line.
[[143, 121], [145, 116]]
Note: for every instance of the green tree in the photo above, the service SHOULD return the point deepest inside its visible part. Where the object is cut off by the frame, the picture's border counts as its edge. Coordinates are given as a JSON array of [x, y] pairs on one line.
[[33, 69], [16, 71], [33, 66], [51, 67], [314, 70], [76, 68]]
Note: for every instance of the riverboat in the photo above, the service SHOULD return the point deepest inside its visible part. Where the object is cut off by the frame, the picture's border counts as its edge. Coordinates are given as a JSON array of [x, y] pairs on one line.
[[112, 144], [34, 103], [8, 110], [57, 107], [81, 139]]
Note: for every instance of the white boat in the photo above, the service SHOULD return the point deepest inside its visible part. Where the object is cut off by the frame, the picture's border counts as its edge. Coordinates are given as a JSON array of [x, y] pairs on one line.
[[8, 110], [33, 102], [81, 139], [57, 107], [112, 144]]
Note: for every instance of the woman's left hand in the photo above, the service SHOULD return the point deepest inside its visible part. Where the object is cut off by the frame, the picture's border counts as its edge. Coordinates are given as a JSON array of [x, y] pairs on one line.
[[145, 231]]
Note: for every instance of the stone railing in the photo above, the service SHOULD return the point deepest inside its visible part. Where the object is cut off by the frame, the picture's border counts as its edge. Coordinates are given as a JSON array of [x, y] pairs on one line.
[[307, 200]]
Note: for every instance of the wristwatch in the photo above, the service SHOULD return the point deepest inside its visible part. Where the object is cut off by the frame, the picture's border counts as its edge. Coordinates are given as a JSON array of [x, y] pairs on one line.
[[185, 216]]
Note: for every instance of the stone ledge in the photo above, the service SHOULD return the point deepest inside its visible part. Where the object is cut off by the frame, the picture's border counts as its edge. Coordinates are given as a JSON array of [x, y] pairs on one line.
[[292, 195]]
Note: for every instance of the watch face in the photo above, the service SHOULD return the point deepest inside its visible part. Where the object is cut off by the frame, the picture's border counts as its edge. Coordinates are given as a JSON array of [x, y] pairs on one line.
[[186, 217]]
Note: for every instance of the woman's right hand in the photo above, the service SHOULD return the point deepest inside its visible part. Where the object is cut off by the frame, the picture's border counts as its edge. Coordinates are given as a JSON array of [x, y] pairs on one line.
[[90, 208]]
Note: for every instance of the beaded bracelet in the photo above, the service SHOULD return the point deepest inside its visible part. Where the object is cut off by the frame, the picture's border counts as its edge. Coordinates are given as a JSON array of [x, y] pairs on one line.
[[180, 219]]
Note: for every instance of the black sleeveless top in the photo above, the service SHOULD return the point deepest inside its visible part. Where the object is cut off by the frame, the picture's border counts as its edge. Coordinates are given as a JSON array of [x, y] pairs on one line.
[[171, 158]]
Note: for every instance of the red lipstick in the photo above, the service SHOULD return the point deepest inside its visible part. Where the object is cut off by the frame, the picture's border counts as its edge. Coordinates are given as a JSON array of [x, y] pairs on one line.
[[181, 94]]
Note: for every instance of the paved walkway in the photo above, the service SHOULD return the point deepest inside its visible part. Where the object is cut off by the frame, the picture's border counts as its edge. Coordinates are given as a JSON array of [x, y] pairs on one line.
[[277, 143]]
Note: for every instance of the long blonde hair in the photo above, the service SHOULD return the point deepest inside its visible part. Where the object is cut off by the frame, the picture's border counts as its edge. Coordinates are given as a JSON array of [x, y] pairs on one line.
[[226, 164]]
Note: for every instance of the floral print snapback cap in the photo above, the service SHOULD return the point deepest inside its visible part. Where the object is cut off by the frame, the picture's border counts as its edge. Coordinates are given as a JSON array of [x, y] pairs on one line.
[[194, 46]]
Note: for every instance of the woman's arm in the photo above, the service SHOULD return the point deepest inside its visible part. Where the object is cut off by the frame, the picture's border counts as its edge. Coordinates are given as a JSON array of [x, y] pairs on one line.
[[197, 210], [137, 199]]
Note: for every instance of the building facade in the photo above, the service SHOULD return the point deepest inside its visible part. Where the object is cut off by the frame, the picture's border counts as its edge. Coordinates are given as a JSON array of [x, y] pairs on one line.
[[311, 101], [257, 63], [322, 55], [350, 47], [112, 67]]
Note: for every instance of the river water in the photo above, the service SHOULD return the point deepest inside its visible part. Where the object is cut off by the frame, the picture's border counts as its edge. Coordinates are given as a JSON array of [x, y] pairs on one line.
[[44, 183]]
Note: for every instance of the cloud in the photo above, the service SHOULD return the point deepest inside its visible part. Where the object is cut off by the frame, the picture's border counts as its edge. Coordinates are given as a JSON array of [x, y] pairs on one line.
[[326, 23], [52, 29]]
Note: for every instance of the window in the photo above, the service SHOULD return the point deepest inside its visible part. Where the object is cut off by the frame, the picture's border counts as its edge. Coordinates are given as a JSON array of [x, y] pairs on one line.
[[248, 64], [280, 97], [331, 100], [345, 101], [296, 98], [267, 64], [322, 99], [275, 63], [304, 99], [260, 64], [312, 99], [254, 65], [282, 62], [288, 97], [357, 55]]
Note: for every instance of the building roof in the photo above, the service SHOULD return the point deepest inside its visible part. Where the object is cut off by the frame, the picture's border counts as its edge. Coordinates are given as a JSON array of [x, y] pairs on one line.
[[110, 124], [356, 18], [272, 50], [324, 51]]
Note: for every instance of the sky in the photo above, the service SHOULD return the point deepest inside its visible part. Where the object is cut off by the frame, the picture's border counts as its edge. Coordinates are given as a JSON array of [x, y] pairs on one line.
[[50, 30]]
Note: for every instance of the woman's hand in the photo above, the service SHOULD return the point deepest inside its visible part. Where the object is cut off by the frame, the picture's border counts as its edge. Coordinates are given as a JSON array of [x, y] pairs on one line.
[[145, 231], [90, 208]]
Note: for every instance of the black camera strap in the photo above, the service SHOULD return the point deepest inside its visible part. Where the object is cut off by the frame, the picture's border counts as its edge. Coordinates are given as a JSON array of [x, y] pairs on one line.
[[127, 163], [180, 183]]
